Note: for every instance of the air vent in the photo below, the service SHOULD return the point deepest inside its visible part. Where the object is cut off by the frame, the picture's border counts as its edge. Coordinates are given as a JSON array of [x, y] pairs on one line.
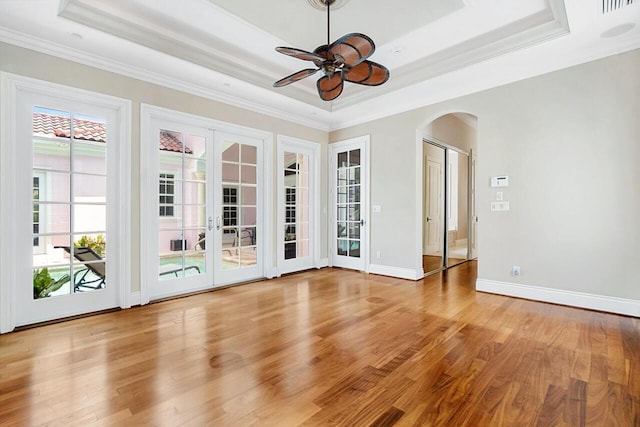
[[611, 5]]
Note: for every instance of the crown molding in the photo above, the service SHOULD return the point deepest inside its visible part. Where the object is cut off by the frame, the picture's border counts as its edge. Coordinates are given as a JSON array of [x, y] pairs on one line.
[[64, 52]]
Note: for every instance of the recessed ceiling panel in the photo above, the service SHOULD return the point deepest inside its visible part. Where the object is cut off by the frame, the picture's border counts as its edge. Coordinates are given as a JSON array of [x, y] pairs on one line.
[[297, 23]]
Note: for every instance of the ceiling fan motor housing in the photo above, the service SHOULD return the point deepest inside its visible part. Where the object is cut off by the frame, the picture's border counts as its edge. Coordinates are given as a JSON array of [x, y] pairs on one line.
[[322, 4]]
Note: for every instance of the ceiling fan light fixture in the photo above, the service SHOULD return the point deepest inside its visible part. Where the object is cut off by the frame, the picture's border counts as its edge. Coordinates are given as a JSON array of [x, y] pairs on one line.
[[344, 59]]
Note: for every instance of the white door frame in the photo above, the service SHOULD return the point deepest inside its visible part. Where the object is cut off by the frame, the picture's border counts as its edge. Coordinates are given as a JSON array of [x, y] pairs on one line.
[[14, 90], [287, 143], [362, 142]]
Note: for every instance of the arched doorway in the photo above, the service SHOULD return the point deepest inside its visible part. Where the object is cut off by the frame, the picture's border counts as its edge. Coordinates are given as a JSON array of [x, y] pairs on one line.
[[448, 217]]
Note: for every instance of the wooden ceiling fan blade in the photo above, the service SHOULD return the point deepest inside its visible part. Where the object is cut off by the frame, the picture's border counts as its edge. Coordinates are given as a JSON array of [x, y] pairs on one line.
[[353, 48], [329, 88], [367, 73], [299, 53], [295, 77]]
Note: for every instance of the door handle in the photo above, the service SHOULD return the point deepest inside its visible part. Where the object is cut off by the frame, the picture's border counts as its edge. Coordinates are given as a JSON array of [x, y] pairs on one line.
[[210, 223], [218, 223], [428, 219], [361, 222]]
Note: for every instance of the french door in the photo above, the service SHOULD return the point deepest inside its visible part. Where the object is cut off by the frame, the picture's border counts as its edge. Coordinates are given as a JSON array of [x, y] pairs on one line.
[[202, 205], [66, 234], [297, 236], [238, 208], [180, 225], [350, 205]]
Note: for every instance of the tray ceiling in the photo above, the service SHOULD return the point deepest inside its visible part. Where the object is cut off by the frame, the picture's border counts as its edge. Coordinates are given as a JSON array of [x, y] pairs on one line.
[[224, 49]]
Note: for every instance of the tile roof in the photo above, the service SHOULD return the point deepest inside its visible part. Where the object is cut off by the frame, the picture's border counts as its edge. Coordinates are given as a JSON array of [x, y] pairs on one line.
[[170, 142], [51, 125]]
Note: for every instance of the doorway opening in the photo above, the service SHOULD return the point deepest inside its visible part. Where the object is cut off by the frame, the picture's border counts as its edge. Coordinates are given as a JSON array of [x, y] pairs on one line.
[[449, 221]]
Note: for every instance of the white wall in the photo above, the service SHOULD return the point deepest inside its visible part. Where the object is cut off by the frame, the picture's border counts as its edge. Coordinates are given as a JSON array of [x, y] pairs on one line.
[[28, 63], [570, 143]]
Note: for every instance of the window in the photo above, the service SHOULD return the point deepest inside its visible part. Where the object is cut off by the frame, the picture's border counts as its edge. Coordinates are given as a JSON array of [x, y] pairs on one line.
[[230, 208], [167, 194]]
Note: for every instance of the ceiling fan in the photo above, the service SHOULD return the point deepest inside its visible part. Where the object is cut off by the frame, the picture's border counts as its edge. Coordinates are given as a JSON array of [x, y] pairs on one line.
[[344, 59]]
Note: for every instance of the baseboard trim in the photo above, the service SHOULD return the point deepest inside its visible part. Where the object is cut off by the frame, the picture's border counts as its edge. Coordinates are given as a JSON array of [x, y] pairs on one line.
[[322, 263], [135, 298], [401, 273], [605, 303]]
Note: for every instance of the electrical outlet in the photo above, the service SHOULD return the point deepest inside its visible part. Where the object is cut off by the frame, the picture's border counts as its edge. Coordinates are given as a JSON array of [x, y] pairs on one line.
[[378, 254], [515, 270]]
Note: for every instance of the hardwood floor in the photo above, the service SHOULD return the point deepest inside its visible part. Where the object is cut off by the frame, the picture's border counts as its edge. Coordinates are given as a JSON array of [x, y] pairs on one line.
[[329, 347]]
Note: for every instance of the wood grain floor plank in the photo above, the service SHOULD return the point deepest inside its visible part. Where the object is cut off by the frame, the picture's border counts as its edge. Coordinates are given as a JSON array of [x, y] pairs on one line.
[[328, 347]]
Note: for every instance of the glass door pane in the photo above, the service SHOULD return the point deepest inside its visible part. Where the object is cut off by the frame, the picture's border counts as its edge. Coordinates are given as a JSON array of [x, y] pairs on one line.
[[348, 204], [182, 209], [69, 190], [239, 206], [238, 221], [296, 199]]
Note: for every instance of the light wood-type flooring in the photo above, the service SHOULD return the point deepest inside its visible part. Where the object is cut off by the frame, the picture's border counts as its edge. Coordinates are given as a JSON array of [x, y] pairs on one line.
[[328, 347]]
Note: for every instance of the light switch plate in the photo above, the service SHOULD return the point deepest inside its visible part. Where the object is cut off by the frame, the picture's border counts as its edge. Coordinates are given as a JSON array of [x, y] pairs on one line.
[[500, 206]]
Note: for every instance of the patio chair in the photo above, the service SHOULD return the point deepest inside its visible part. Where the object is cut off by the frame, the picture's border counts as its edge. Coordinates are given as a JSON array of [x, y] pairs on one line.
[[176, 268], [93, 263]]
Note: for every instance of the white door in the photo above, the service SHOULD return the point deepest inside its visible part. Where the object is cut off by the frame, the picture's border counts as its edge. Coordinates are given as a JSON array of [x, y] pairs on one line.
[[179, 208], [66, 236], [433, 208], [297, 205], [349, 171], [238, 208]]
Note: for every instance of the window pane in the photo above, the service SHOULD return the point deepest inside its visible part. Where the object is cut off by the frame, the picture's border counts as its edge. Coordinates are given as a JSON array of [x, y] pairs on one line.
[[342, 160], [354, 230], [89, 188], [354, 249], [290, 250], [249, 174], [89, 218], [343, 247], [230, 172], [248, 236], [354, 157], [354, 212], [89, 158], [249, 195], [54, 186], [354, 194], [342, 229], [248, 257], [249, 216], [249, 154], [231, 152]]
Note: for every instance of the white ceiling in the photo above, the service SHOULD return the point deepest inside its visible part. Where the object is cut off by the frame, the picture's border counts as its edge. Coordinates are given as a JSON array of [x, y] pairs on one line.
[[224, 49]]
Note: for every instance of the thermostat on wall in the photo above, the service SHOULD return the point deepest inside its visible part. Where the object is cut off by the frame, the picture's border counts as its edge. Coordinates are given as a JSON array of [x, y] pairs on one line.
[[500, 181]]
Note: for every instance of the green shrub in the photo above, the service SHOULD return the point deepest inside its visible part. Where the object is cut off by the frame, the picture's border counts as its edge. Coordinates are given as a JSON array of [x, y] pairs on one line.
[[44, 285], [98, 244]]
